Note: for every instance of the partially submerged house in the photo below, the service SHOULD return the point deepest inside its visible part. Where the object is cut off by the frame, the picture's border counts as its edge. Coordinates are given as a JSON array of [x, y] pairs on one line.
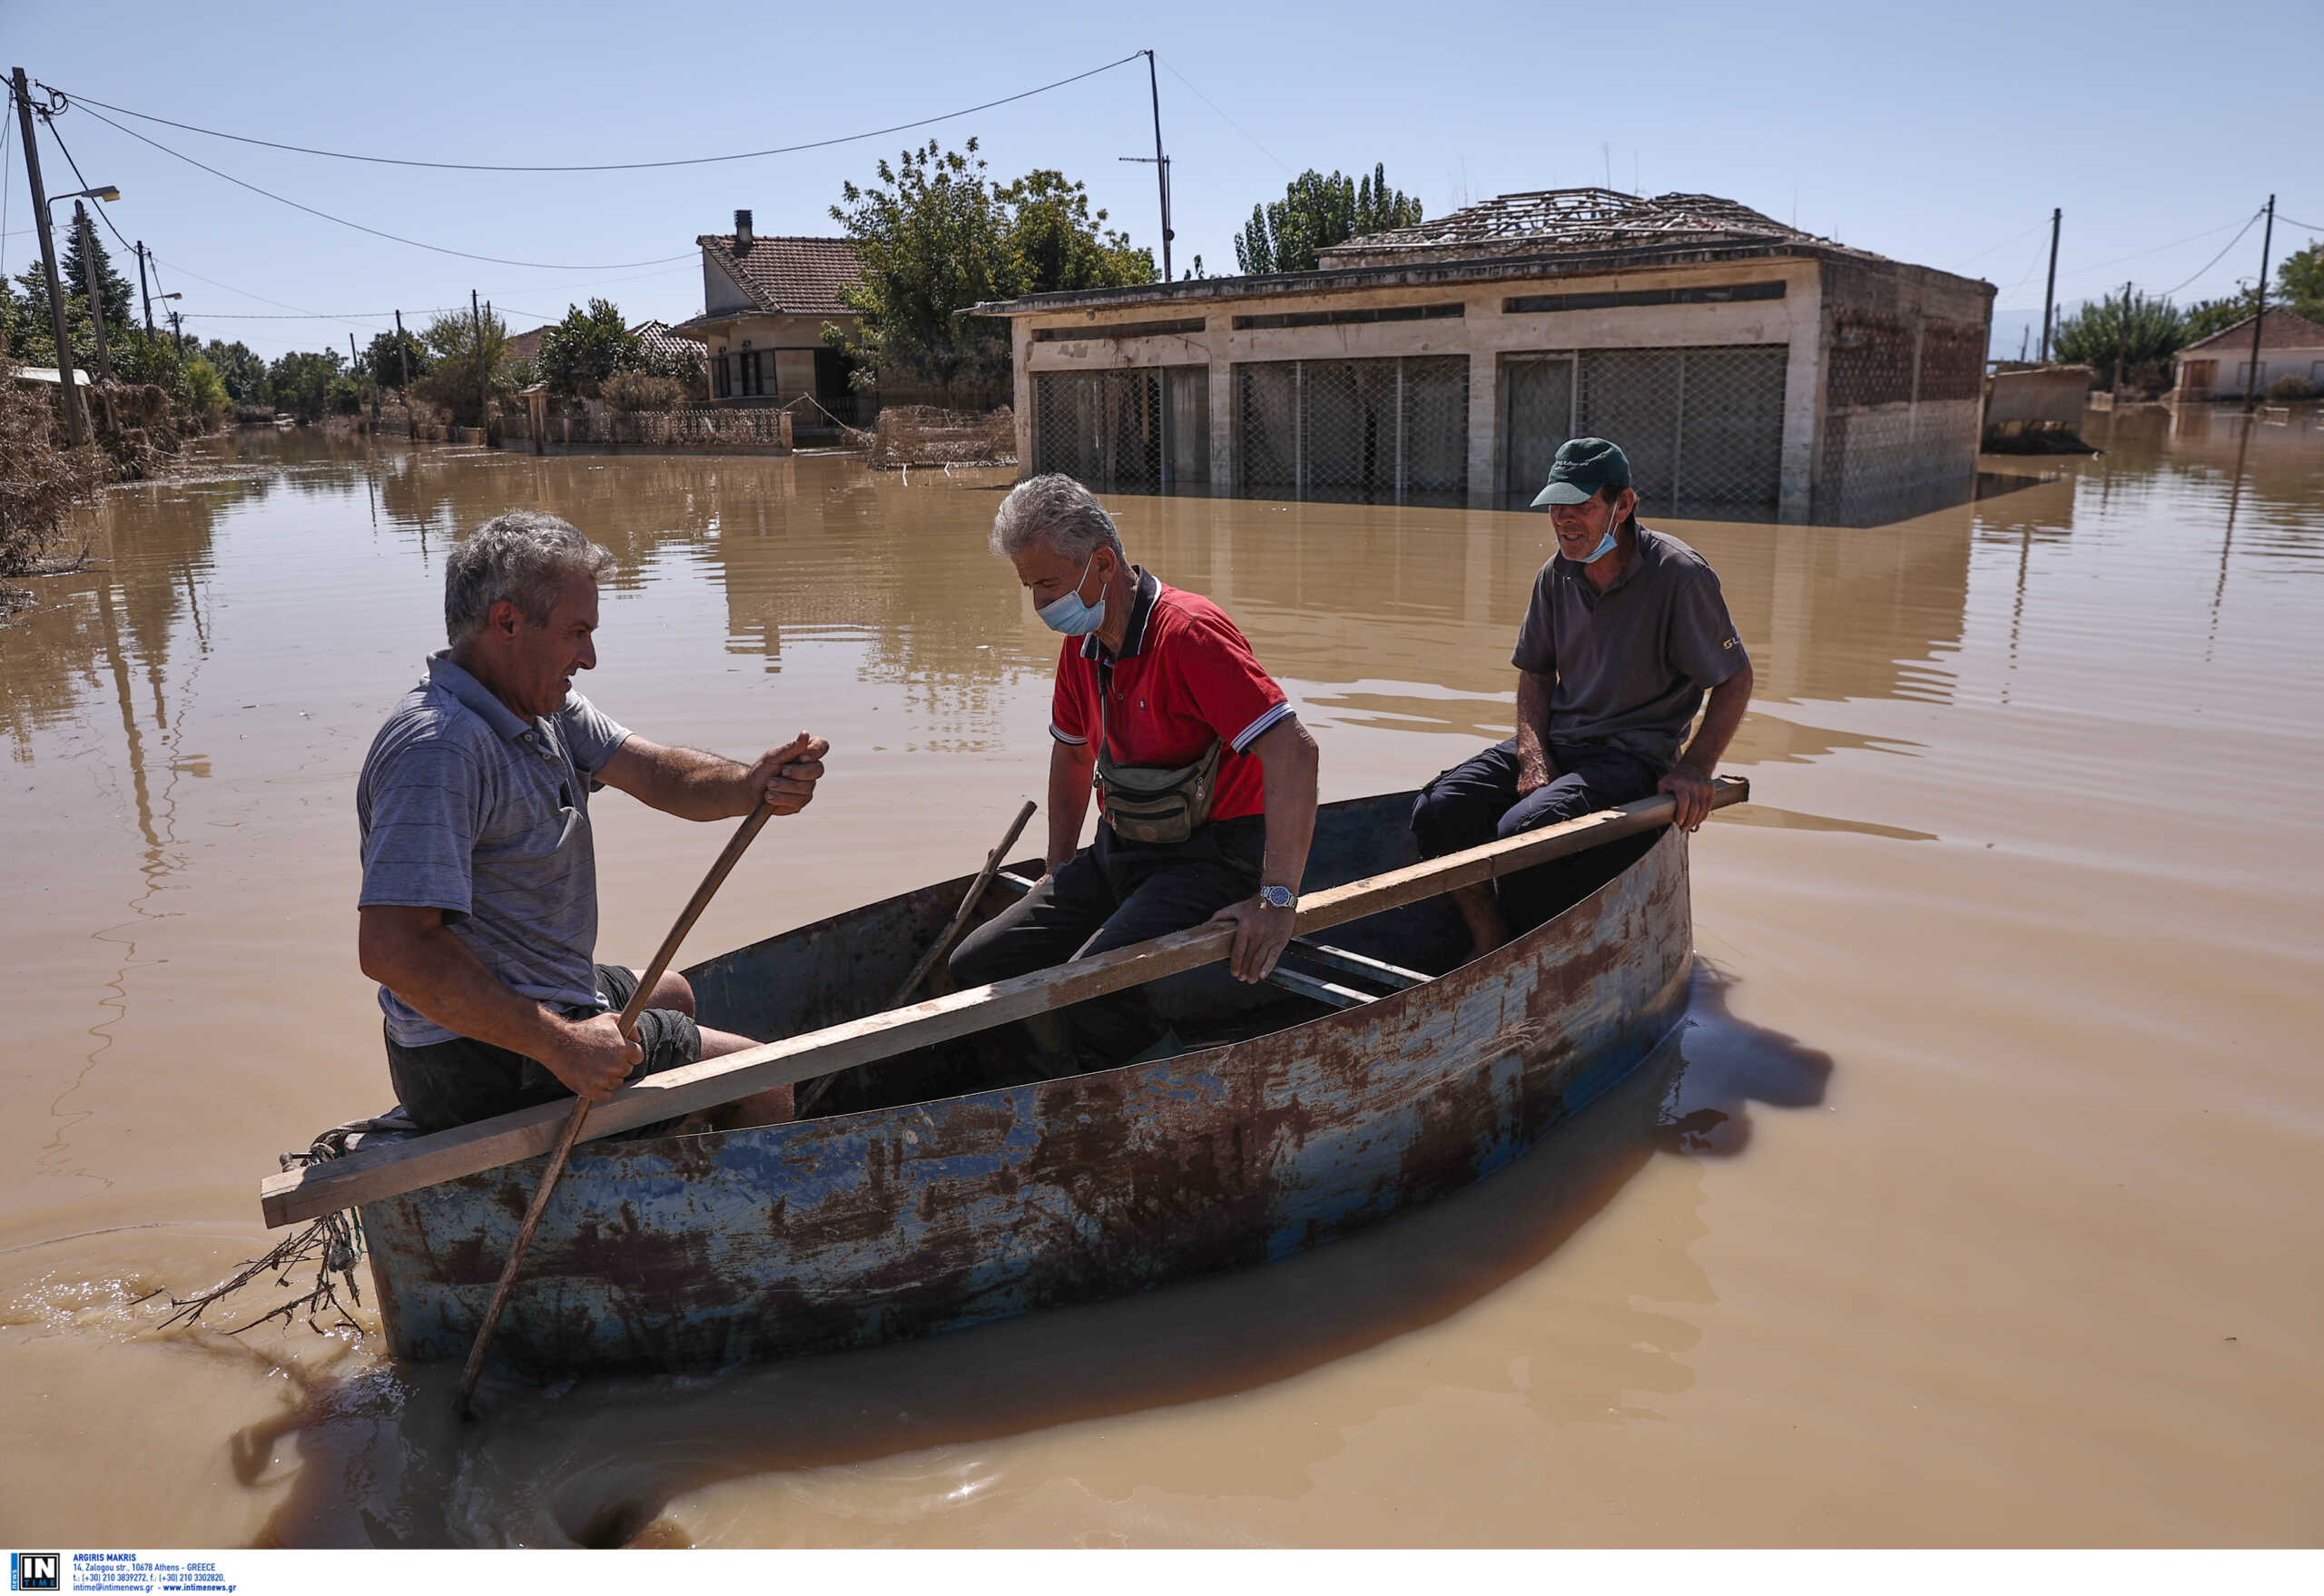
[[1741, 363], [765, 303], [2221, 366]]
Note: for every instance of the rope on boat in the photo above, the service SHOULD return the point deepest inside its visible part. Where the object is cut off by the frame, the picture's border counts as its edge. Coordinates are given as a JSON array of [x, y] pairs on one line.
[[334, 1243]]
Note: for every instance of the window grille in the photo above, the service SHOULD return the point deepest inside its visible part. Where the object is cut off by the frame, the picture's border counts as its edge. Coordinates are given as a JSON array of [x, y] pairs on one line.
[[1388, 429], [1142, 431]]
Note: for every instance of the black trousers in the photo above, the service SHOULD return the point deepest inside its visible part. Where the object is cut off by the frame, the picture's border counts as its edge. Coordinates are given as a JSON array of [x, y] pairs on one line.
[[1476, 802], [1109, 895]]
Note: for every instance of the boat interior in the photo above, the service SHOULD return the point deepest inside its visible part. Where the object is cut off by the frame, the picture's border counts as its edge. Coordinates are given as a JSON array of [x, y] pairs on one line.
[[848, 966]]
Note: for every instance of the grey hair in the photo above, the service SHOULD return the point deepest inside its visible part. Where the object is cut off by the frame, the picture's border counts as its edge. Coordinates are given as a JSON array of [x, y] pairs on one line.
[[1058, 512], [521, 556]]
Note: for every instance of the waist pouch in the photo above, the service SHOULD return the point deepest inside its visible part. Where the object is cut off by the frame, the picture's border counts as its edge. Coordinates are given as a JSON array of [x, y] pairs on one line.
[[1146, 802]]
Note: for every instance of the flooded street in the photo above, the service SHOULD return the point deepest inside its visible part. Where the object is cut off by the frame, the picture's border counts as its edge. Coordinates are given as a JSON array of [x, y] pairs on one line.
[[1979, 1204]]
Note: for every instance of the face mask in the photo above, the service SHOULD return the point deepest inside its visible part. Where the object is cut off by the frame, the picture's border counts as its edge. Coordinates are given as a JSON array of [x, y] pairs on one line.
[[1605, 547], [1069, 615]]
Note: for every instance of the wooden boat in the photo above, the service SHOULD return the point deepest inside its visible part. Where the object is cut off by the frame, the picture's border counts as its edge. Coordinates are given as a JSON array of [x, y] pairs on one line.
[[1382, 1074]]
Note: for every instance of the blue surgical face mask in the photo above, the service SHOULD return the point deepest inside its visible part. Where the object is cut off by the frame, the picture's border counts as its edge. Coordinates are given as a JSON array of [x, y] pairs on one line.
[[1068, 613], [1605, 547]]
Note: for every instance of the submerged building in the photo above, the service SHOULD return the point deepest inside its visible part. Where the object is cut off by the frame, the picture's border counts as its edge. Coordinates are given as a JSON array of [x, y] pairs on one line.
[[1742, 364]]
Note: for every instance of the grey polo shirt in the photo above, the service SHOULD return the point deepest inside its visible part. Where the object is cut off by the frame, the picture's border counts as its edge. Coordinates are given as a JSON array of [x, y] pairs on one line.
[[1631, 663], [468, 807]]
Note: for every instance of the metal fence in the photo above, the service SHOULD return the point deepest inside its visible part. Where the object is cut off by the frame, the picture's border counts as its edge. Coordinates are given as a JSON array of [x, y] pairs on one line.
[[1388, 429], [1142, 431], [1701, 426]]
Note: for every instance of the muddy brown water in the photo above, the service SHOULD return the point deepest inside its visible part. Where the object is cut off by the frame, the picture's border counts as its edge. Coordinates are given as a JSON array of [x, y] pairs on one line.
[[1979, 1203]]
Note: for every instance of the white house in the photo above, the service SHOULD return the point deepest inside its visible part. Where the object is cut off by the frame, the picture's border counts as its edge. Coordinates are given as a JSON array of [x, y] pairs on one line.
[[2219, 366]]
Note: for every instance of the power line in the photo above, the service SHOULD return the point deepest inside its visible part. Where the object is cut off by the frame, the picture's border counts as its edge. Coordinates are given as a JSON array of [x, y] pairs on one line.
[[2158, 249], [2215, 259], [374, 232], [1230, 122], [608, 166], [1989, 248]]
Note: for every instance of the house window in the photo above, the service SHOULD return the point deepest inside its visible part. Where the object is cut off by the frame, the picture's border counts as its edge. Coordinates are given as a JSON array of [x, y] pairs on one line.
[[753, 383], [722, 379]]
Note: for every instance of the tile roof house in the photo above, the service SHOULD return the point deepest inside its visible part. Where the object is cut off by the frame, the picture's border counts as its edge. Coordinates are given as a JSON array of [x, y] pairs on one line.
[[765, 303], [2218, 366]]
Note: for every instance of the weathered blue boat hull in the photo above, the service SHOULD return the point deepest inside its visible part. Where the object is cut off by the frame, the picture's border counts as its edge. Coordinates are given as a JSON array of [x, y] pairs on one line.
[[700, 1251]]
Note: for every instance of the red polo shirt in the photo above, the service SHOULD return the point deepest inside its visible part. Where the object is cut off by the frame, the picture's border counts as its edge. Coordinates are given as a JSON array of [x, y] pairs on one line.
[[1184, 676]]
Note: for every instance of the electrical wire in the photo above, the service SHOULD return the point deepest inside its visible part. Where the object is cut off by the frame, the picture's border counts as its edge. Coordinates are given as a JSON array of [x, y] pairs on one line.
[[1980, 254], [378, 232], [1230, 122], [2215, 259], [85, 101], [2159, 249]]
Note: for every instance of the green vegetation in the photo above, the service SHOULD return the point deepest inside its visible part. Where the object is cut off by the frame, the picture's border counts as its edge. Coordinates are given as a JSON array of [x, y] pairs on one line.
[[2152, 331], [469, 356], [243, 372], [40, 480], [387, 355], [1316, 212], [301, 383], [588, 346], [936, 236]]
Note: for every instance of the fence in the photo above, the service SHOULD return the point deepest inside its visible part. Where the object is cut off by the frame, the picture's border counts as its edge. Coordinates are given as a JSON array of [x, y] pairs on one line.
[[754, 429], [1702, 426], [924, 435], [1143, 431], [1389, 429]]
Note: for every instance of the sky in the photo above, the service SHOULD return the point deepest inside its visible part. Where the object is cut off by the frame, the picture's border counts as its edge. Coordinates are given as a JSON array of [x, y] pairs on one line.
[[1943, 145]]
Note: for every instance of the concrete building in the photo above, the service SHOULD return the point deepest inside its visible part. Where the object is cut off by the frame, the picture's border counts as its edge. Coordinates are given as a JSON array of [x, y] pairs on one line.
[[1743, 364], [2217, 366]]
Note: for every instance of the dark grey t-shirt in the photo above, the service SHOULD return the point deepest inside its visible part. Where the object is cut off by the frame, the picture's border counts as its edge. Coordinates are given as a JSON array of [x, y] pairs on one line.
[[468, 807], [1632, 662]]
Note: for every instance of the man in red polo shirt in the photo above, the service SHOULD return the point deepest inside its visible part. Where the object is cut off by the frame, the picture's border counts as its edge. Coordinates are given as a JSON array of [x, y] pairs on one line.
[[1166, 684]]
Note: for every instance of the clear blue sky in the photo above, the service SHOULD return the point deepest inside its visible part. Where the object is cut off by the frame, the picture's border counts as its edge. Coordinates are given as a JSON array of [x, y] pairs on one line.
[[1945, 145]]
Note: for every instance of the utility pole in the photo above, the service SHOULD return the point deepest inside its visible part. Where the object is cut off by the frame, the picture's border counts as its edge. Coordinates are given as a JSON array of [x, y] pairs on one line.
[[403, 354], [2121, 342], [2050, 294], [77, 421], [2259, 311], [483, 378], [143, 294], [92, 285], [1161, 162], [2023, 334], [177, 333]]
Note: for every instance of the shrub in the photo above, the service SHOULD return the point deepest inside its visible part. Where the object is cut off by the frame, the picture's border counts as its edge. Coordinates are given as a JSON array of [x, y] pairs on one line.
[[39, 479], [2293, 388], [642, 390]]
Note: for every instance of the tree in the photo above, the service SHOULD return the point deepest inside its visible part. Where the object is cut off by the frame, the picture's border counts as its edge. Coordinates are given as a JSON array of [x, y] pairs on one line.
[[2300, 281], [114, 290], [936, 236], [242, 371], [470, 355], [1055, 243], [385, 357], [2092, 336], [2210, 316], [301, 383], [205, 393], [585, 348], [1316, 212]]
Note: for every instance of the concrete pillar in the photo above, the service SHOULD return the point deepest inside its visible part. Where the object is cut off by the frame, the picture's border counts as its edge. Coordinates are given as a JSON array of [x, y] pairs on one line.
[[1484, 423], [1021, 350], [1802, 401], [1223, 462]]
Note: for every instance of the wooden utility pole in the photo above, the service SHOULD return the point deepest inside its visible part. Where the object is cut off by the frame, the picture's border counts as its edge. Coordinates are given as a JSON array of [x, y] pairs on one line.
[[2259, 311], [2050, 294], [403, 354], [144, 293], [77, 421], [483, 377], [92, 285], [2121, 342]]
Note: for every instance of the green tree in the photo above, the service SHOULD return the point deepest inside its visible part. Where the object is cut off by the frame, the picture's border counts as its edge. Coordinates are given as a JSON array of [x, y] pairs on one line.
[[469, 356], [932, 235], [1054, 241], [114, 291], [2210, 315], [301, 383], [1316, 212], [587, 347], [2151, 332], [205, 392], [242, 371], [385, 357], [2300, 281]]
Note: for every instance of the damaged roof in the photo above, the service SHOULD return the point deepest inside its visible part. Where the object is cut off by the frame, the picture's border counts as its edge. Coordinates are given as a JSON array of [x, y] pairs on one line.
[[1552, 220]]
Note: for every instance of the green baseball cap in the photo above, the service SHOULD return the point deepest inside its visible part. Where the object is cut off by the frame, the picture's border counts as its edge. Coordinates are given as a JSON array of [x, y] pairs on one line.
[[1584, 466]]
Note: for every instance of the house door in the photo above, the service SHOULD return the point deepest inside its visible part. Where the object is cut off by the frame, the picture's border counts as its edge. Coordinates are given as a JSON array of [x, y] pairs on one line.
[[2199, 376], [1536, 416]]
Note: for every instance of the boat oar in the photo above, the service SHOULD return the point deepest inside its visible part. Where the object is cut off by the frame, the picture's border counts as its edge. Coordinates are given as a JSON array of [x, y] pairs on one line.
[[727, 860], [993, 861]]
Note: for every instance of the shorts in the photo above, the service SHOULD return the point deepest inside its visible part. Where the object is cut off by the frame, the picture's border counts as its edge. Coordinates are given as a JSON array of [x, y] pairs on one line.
[[459, 1081]]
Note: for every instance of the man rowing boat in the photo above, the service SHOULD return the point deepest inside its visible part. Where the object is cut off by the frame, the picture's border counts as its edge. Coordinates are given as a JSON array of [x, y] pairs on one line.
[[1206, 779], [1626, 633], [478, 909]]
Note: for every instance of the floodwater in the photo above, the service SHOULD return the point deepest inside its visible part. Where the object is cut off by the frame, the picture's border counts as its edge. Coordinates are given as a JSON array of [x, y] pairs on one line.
[[1980, 1203]]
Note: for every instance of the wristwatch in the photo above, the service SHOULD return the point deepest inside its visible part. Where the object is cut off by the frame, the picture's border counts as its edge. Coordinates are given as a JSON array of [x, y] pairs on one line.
[[1278, 897]]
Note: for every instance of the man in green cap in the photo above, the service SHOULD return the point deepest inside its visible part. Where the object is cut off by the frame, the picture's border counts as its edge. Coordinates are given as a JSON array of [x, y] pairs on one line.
[[1626, 634]]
